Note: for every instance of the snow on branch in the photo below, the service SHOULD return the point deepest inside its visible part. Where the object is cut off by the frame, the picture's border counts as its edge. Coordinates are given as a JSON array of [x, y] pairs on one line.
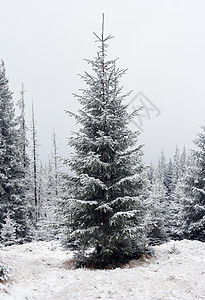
[[123, 200], [122, 216], [86, 203], [92, 182], [93, 160], [90, 230], [71, 114], [134, 178], [104, 207], [202, 191]]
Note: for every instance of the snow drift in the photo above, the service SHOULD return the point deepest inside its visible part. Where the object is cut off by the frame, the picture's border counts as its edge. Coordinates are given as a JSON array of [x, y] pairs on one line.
[[39, 271]]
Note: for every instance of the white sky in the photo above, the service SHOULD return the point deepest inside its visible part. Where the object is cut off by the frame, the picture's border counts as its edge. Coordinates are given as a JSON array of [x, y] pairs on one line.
[[162, 43]]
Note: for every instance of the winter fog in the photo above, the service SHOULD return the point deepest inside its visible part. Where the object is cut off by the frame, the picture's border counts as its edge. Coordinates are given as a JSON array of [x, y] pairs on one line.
[[162, 44]]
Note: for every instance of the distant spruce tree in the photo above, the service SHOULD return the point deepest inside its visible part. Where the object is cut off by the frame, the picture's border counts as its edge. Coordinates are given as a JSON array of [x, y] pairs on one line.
[[162, 167], [176, 193], [183, 162], [157, 214], [176, 169], [47, 203], [165, 171], [176, 197], [194, 203], [176, 213], [105, 210], [12, 171], [168, 180]]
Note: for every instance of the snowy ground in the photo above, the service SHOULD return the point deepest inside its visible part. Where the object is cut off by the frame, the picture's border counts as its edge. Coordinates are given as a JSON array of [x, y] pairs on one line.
[[39, 272]]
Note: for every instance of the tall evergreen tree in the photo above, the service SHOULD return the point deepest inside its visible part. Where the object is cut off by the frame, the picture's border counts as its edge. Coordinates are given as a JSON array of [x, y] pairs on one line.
[[176, 171], [168, 179], [177, 194], [105, 208], [162, 167], [165, 172], [23, 143], [174, 202], [194, 212], [12, 175], [183, 163], [25, 161], [34, 161], [176, 212], [150, 173], [55, 162]]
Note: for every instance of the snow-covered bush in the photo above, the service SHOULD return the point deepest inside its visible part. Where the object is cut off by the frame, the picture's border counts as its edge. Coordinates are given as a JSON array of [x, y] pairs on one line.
[[5, 273], [8, 233], [174, 250]]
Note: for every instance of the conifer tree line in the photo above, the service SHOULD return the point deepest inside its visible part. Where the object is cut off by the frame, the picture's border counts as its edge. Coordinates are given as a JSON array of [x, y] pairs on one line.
[[113, 203], [28, 189]]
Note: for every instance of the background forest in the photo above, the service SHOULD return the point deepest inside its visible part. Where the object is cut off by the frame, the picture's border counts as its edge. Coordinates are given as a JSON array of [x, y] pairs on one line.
[[107, 199], [34, 196]]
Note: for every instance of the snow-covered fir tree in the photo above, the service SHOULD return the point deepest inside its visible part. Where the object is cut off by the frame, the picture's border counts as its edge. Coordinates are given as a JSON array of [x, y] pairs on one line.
[[25, 160], [150, 173], [12, 172], [47, 203], [105, 209], [162, 166], [8, 232], [172, 176], [176, 169], [56, 163], [48, 194], [176, 212], [157, 202], [176, 196], [168, 179], [183, 163], [194, 205], [23, 142], [165, 171], [34, 171]]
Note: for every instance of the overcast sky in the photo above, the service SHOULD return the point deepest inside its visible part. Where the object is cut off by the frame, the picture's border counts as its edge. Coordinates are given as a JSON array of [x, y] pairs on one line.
[[162, 43]]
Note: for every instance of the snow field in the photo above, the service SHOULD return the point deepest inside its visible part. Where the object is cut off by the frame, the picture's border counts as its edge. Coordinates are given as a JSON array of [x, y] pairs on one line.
[[39, 273]]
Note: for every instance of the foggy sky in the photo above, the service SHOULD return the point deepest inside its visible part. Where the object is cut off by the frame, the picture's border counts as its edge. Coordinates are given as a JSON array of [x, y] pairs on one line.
[[162, 43]]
